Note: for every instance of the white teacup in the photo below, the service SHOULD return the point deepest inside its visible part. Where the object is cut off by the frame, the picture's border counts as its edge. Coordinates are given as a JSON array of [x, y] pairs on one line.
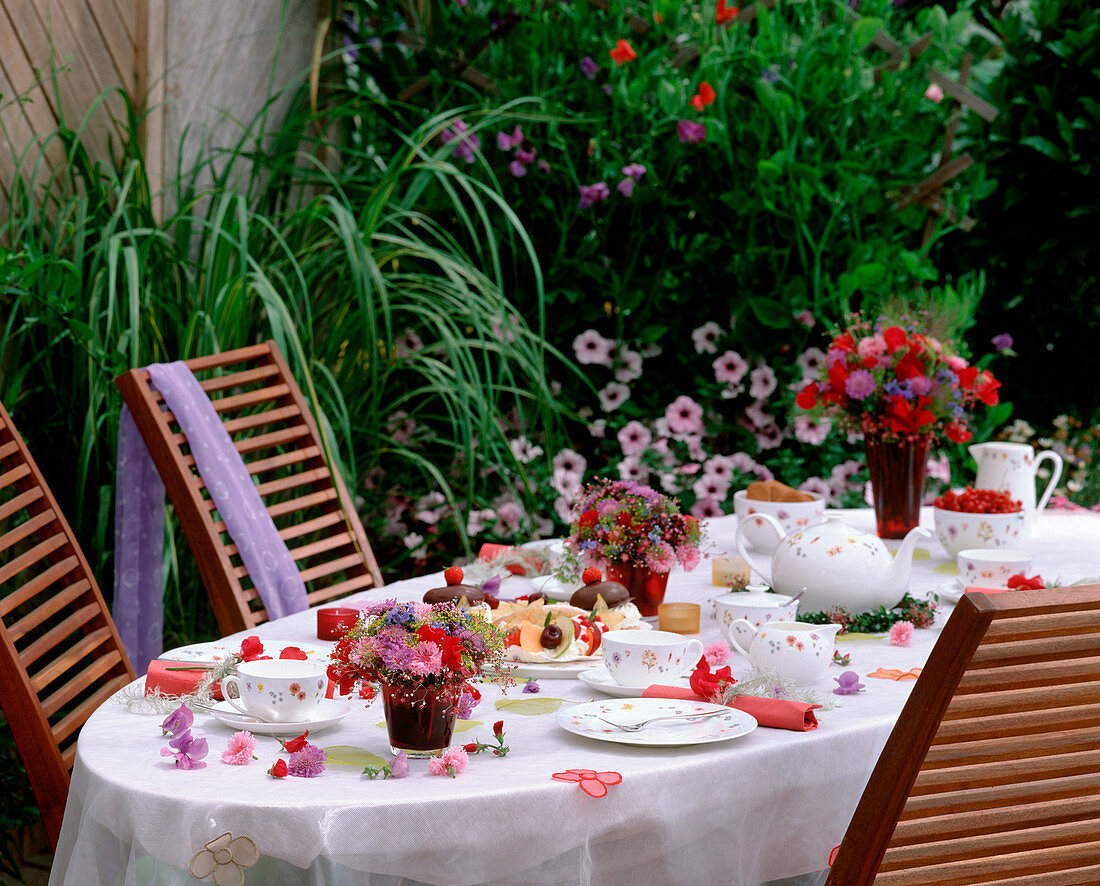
[[792, 516], [756, 606], [641, 658], [279, 690], [991, 568]]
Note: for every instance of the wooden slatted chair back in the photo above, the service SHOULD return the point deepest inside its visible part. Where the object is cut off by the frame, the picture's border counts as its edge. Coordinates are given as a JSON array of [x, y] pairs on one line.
[[992, 773], [262, 408], [60, 655]]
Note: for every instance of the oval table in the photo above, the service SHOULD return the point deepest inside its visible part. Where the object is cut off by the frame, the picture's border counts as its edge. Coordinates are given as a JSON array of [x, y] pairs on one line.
[[764, 806]]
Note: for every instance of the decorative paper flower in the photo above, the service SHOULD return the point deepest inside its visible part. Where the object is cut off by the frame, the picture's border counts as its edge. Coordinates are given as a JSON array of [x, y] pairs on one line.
[[848, 683], [242, 745], [532, 686], [309, 762], [225, 858], [180, 720], [716, 654], [451, 762], [593, 783], [901, 633], [279, 770], [187, 750], [895, 674]]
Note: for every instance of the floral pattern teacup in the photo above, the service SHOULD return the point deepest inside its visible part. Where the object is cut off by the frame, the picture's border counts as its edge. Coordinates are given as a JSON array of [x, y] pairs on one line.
[[277, 690], [642, 658], [792, 516], [983, 568]]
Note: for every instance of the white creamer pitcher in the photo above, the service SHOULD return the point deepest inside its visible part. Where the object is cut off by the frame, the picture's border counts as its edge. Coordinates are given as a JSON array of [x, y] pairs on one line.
[[1011, 468]]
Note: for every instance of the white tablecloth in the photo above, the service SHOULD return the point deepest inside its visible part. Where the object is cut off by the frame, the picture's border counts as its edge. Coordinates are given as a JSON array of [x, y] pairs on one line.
[[768, 805]]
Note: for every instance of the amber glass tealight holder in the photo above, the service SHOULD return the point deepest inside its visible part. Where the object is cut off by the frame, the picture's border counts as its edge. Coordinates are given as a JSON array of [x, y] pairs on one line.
[[680, 618]]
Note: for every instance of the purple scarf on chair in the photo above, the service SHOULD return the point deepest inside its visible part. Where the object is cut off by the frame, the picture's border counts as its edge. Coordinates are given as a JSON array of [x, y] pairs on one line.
[[139, 509]]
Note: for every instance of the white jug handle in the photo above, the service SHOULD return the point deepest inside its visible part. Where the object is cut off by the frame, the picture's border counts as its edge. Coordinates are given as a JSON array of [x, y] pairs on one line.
[[1055, 476], [742, 625], [742, 549]]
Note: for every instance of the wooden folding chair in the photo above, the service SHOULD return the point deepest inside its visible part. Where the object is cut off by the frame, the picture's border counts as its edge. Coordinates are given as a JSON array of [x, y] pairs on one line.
[[992, 773], [266, 415], [60, 655]]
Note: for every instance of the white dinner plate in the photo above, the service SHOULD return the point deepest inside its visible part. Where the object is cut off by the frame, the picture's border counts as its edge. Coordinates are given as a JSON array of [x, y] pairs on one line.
[[328, 713], [581, 720], [599, 678], [217, 651]]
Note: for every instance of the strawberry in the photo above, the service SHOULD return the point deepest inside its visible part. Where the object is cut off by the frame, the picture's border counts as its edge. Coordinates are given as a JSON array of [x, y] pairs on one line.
[[592, 575], [453, 575]]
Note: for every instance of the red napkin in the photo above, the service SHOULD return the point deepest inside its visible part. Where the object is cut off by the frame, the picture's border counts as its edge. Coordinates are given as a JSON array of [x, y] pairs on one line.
[[973, 590], [170, 680], [778, 713]]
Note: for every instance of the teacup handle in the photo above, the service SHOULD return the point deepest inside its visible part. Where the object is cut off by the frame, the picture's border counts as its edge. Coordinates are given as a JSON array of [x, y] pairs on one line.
[[234, 681], [1055, 476], [742, 625], [742, 549], [689, 660]]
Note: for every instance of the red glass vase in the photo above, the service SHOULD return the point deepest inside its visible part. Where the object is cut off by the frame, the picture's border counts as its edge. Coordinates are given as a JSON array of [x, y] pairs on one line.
[[897, 468], [647, 588], [420, 719]]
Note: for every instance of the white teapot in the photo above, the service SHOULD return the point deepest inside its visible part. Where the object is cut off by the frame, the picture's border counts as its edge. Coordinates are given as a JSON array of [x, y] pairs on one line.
[[798, 651], [833, 564]]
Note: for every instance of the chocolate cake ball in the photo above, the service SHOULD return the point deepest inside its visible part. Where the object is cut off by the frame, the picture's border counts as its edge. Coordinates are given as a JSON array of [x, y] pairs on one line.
[[454, 590]]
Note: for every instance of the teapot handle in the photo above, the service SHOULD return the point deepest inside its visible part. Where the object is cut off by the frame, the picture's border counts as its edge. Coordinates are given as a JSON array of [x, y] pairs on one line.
[[742, 625], [742, 549], [1055, 476]]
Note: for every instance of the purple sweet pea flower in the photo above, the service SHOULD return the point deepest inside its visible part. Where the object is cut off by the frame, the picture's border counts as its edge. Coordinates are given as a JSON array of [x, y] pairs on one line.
[[1002, 342], [770, 74], [187, 751], [506, 142], [593, 194], [691, 132], [532, 686], [543, 166], [625, 187], [525, 153], [589, 68], [517, 169], [399, 768], [848, 683], [634, 170], [465, 143], [180, 720]]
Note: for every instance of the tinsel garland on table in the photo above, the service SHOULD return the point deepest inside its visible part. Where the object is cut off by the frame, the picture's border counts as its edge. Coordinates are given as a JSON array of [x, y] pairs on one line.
[[134, 699]]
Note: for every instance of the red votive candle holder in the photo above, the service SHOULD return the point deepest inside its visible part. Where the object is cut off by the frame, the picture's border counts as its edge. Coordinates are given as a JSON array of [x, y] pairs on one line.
[[334, 622]]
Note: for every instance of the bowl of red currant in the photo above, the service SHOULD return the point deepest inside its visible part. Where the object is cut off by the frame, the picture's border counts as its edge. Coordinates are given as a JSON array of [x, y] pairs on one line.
[[977, 518]]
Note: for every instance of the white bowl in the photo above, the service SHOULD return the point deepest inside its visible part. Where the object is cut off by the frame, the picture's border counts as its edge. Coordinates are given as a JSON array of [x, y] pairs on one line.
[[792, 515], [960, 530], [757, 607]]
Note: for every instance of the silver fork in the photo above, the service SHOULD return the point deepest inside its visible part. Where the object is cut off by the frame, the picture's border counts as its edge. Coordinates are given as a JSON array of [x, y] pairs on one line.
[[634, 727]]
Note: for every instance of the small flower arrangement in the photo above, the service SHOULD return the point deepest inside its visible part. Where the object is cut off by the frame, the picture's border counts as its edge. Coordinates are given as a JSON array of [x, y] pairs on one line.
[[622, 521], [414, 644], [899, 381]]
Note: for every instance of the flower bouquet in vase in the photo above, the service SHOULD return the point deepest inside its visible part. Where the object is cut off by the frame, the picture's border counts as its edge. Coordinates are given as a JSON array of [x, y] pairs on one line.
[[636, 534], [422, 655], [902, 388]]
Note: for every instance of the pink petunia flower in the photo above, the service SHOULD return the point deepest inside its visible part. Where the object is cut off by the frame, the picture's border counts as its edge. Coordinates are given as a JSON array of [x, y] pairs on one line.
[[592, 348], [811, 430], [763, 382], [614, 395], [705, 337], [630, 367], [634, 437], [631, 468], [706, 508], [710, 486], [684, 416], [810, 361], [241, 747], [730, 368]]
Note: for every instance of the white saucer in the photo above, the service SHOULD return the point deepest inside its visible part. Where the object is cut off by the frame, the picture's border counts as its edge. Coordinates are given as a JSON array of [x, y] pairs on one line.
[[599, 678], [588, 720], [951, 591], [217, 651], [328, 713]]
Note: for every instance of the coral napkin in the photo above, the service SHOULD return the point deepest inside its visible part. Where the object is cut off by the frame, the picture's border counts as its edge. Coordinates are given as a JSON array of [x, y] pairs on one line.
[[170, 680], [778, 713]]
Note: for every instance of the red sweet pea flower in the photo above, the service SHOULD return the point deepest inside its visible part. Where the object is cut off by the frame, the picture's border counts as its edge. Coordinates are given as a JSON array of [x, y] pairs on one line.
[[844, 342], [895, 338], [967, 376], [296, 744], [909, 366], [957, 433], [622, 53], [705, 96], [709, 685], [279, 770], [429, 634], [251, 648], [593, 783], [722, 14], [1022, 583], [807, 397], [498, 727], [986, 389], [293, 652]]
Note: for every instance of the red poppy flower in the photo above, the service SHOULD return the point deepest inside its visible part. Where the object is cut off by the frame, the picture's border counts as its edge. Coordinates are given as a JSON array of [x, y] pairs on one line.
[[622, 53], [593, 783], [722, 14], [705, 96]]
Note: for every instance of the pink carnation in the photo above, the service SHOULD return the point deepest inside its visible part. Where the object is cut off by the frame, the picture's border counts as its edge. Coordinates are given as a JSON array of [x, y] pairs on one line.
[[872, 346], [901, 633], [427, 658], [241, 747], [452, 762], [716, 654]]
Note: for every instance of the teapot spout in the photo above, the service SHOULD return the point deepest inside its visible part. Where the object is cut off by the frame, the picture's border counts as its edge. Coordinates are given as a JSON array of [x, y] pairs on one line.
[[896, 580]]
